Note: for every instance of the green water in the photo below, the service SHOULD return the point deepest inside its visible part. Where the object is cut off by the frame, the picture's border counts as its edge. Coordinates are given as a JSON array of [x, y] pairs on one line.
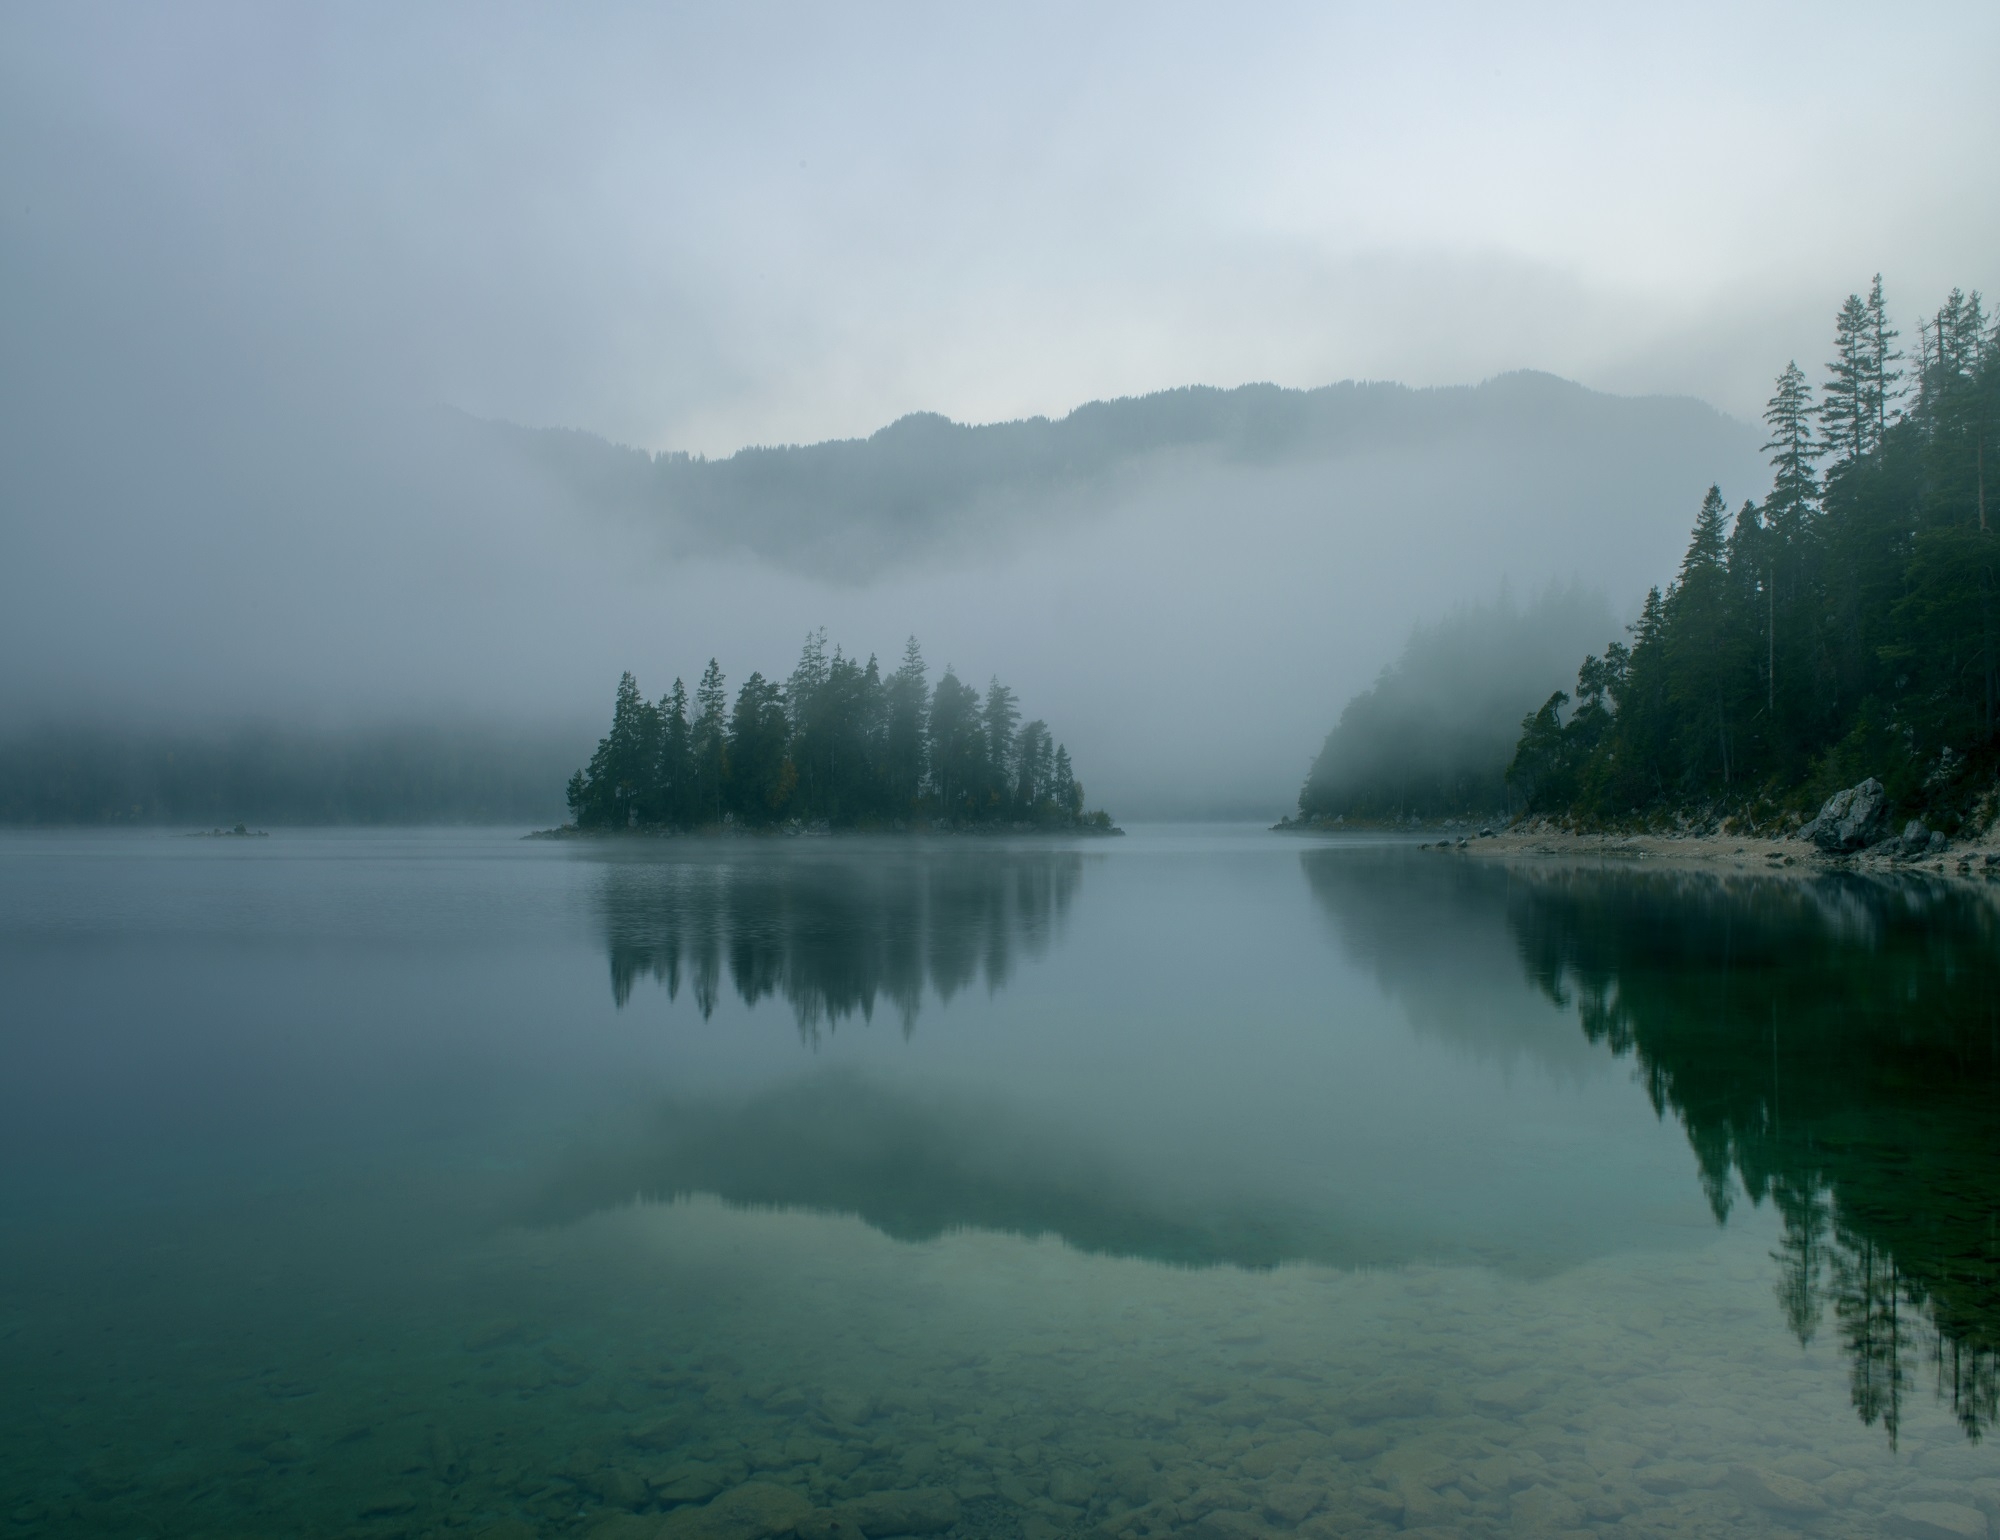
[[1205, 1181]]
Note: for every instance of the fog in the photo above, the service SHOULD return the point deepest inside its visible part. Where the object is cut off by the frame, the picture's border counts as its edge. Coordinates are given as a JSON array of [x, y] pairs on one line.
[[277, 287]]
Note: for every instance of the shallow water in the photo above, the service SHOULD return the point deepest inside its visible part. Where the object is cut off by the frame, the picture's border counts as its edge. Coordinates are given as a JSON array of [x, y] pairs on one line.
[[1205, 1180]]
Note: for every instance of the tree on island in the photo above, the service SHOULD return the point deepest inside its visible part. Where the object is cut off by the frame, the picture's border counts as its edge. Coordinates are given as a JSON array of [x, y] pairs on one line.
[[835, 744]]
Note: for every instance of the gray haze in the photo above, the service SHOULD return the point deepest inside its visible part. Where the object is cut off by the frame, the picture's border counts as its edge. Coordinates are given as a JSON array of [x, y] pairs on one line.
[[271, 279]]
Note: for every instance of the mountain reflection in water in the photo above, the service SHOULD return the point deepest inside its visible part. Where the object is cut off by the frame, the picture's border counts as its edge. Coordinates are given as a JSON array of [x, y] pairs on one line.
[[1831, 1044], [831, 927], [917, 1167]]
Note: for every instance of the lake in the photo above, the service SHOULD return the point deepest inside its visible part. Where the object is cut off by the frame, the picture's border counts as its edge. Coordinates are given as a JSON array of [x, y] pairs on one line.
[[1203, 1181]]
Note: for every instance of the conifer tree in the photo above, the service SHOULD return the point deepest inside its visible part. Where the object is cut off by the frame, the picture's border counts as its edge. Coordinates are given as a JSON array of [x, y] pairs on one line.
[[1884, 377], [1846, 410], [678, 797], [1789, 418], [958, 744], [761, 773], [999, 718], [906, 730], [711, 745]]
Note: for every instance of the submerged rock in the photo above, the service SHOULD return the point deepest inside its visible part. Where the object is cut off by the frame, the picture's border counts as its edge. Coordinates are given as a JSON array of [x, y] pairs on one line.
[[1938, 1521], [918, 1511], [1775, 1491], [757, 1510], [1851, 820]]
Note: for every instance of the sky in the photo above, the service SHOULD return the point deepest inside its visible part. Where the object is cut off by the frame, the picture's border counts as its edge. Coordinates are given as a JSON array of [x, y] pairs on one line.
[[696, 228], [248, 251]]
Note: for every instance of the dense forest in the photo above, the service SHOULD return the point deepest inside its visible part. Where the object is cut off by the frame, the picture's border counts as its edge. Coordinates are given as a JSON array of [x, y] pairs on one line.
[[837, 744], [1432, 737], [1847, 626]]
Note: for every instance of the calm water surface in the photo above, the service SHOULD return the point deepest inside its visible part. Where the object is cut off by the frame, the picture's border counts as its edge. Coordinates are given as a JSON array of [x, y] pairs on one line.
[[1203, 1181]]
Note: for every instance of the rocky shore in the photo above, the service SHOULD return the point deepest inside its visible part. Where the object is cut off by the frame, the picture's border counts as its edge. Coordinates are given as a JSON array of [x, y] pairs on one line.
[[1853, 832]]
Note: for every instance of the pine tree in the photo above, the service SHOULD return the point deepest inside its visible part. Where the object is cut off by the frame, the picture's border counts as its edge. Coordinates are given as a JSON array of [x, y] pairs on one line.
[[711, 745], [1789, 417], [678, 796], [1883, 377], [761, 773], [999, 718], [957, 744], [1846, 409], [906, 731]]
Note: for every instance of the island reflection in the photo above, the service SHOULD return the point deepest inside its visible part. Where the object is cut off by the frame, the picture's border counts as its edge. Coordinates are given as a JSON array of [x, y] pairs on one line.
[[1831, 1044], [833, 927]]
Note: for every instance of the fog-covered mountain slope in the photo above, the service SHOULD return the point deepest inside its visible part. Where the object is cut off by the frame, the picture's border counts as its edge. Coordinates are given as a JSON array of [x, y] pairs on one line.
[[925, 487], [1189, 585]]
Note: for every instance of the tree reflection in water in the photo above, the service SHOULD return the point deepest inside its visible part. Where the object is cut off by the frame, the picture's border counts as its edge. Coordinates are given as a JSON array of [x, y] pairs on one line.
[[1831, 1044], [832, 927]]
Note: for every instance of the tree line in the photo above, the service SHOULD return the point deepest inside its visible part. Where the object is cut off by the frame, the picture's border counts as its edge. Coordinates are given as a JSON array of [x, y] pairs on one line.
[[838, 743], [1846, 626]]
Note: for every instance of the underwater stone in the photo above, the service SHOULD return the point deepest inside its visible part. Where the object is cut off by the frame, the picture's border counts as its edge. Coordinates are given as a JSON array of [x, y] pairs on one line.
[[1071, 1486], [1290, 1501], [1938, 1521], [620, 1526], [1544, 1509], [757, 1510], [506, 1529], [1775, 1491], [668, 1433], [919, 1511], [1230, 1524]]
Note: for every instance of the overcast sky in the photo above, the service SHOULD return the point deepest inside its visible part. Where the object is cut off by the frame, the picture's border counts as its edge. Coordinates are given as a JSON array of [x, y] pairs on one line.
[[699, 227], [247, 250]]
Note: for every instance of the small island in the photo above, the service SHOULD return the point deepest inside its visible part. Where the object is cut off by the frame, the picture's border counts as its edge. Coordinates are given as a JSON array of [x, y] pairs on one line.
[[836, 746]]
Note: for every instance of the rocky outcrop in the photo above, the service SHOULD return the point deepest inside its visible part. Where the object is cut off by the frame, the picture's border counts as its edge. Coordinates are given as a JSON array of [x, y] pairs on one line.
[[1852, 819]]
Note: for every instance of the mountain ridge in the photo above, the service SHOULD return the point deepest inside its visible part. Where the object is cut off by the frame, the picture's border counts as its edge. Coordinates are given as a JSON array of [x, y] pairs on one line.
[[924, 483]]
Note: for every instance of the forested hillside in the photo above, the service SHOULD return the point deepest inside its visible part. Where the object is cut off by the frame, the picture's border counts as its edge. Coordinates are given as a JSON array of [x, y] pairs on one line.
[[836, 744], [1846, 626], [1432, 737]]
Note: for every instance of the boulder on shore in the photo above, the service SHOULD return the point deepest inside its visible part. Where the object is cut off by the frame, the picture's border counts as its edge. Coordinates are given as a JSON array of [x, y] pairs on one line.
[[1851, 820]]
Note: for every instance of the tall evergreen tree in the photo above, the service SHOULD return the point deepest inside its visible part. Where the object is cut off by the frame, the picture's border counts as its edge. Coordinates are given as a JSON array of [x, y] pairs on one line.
[[1001, 713], [1700, 655], [1034, 763], [1795, 487], [710, 737], [1884, 378], [1846, 401], [679, 798], [958, 745], [907, 731], [761, 774]]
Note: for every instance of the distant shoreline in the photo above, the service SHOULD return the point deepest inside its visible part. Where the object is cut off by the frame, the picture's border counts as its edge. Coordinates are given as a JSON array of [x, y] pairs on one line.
[[1539, 840], [717, 831]]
